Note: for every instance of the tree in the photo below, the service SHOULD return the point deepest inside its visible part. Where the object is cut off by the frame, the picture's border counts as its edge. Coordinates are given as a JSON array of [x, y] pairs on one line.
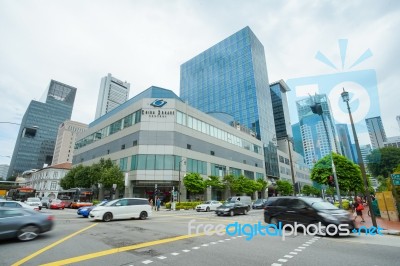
[[194, 183], [214, 182], [383, 161], [348, 173], [12, 178], [310, 190], [284, 187]]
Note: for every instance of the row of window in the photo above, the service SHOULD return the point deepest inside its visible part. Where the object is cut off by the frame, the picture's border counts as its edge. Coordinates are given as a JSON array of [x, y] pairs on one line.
[[172, 162], [125, 122], [196, 124]]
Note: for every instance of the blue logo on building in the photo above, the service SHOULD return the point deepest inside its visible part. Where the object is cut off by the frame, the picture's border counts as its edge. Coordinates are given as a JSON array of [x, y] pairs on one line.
[[158, 103]]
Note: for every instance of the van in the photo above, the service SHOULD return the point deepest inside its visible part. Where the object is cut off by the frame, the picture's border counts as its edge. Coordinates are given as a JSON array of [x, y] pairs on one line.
[[243, 199]]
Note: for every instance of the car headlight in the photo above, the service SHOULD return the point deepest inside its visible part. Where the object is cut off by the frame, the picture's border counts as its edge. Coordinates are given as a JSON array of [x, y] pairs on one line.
[[226, 210], [328, 216]]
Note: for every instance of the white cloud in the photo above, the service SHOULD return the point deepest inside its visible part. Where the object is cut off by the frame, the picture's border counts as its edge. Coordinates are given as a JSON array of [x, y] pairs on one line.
[[144, 43]]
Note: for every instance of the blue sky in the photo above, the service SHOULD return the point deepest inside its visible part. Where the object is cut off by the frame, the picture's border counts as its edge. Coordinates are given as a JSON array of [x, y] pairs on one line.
[[145, 42]]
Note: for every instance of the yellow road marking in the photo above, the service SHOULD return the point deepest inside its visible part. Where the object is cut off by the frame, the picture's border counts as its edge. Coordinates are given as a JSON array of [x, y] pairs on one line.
[[118, 250], [51, 246]]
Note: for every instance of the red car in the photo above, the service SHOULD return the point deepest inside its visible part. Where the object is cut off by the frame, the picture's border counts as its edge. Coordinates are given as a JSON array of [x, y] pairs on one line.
[[57, 204]]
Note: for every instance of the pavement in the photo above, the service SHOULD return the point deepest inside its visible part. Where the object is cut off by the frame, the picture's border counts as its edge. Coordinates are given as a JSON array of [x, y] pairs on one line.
[[389, 227]]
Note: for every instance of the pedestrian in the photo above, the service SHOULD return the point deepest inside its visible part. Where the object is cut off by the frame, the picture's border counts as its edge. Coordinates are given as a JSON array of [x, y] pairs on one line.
[[359, 207], [158, 204], [151, 203]]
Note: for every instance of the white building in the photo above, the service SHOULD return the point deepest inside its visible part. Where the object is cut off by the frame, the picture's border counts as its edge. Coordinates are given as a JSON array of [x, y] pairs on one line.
[[64, 148], [46, 181], [113, 92], [376, 132], [392, 142], [3, 171], [156, 139]]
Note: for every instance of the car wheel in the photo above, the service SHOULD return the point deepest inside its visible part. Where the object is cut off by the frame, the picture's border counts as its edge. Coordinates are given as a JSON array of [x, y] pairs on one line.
[[143, 215], [231, 213], [245, 211], [198, 210], [107, 217], [273, 221], [218, 214], [28, 232], [208, 209]]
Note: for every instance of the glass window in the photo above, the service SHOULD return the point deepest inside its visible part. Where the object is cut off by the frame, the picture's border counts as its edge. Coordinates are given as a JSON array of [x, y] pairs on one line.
[[190, 122], [138, 115], [249, 174], [128, 120], [168, 162], [134, 162], [115, 127], [150, 162], [159, 162], [141, 164], [123, 164]]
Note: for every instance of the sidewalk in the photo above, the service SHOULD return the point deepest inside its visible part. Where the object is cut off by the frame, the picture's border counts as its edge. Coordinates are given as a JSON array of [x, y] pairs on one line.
[[390, 227]]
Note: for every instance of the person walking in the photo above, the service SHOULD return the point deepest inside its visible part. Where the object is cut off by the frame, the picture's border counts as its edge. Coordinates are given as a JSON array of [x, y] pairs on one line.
[[151, 203], [158, 204], [359, 207]]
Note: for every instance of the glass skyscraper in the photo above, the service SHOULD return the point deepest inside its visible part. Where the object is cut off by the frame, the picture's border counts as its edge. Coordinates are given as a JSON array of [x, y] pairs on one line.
[[314, 136], [38, 132], [345, 141], [231, 77]]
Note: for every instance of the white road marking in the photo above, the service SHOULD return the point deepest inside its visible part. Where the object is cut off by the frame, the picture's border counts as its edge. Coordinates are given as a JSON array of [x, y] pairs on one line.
[[161, 257], [293, 253], [147, 261], [204, 245], [276, 264], [288, 256], [282, 260], [195, 247], [174, 254], [186, 250], [296, 249]]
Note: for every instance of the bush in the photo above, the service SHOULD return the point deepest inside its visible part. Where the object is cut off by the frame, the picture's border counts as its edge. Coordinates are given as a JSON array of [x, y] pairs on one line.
[[345, 204], [95, 202]]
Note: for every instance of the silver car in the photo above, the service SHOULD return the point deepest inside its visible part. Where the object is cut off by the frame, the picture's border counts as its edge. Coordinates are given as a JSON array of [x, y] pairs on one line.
[[35, 202], [23, 224]]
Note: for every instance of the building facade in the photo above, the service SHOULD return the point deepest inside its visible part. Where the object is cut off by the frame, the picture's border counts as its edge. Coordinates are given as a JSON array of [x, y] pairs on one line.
[[46, 181], [376, 132], [113, 92], [345, 141], [231, 77], [4, 171], [37, 135], [392, 142], [317, 141], [156, 139], [64, 148]]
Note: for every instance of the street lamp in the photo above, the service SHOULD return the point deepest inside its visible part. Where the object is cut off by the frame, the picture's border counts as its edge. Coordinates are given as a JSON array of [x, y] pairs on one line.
[[179, 184], [346, 98], [317, 109]]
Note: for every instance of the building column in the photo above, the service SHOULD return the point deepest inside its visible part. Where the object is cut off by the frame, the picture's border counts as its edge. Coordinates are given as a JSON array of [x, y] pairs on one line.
[[255, 195], [183, 194], [208, 193]]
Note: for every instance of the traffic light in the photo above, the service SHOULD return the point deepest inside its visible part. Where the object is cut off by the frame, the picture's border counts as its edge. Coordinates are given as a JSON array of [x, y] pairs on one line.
[[331, 181]]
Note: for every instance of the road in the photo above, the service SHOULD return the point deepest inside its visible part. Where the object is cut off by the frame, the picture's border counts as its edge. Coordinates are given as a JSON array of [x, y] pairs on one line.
[[164, 239]]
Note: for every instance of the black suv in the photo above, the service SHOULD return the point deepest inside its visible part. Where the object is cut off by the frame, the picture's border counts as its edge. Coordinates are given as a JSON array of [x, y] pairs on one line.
[[305, 210]]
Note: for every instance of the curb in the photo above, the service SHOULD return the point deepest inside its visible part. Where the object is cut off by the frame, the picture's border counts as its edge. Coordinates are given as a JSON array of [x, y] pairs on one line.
[[391, 232]]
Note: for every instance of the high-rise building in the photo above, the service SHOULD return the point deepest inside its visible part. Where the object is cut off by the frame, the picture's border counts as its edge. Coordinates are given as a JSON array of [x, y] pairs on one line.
[[345, 141], [64, 149], [37, 135], [376, 132], [231, 77], [392, 142], [3, 171], [297, 140], [316, 144], [280, 108], [113, 92], [365, 151]]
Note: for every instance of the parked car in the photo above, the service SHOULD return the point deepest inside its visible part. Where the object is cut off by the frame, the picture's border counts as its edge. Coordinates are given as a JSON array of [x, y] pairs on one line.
[[125, 208], [45, 202], [305, 210], [243, 199], [57, 204], [230, 208], [34, 202], [17, 204], [259, 204], [23, 223], [207, 206], [85, 211]]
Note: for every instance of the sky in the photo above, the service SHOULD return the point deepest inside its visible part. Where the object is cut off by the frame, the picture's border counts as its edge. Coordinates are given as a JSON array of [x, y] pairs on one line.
[[144, 42]]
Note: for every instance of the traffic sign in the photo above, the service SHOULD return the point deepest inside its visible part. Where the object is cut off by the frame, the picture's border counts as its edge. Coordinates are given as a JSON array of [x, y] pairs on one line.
[[396, 177]]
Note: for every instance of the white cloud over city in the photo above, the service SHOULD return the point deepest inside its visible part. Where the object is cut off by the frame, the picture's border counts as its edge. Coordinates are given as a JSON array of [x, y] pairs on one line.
[[145, 42]]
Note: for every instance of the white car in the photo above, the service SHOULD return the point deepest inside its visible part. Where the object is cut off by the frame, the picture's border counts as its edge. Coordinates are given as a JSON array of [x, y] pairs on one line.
[[35, 202], [126, 208], [207, 206], [17, 204]]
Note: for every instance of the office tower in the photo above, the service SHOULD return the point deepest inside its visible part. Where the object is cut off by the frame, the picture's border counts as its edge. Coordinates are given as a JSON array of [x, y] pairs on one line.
[[3, 171], [280, 108], [38, 132], [376, 132], [231, 77], [297, 140], [365, 151], [345, 141], [113, 92], [315, 140], [64, 148]]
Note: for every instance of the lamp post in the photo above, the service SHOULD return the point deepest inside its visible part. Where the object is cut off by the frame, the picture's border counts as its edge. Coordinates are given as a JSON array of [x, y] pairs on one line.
[[179, 184], [317, 109], [346, 99]]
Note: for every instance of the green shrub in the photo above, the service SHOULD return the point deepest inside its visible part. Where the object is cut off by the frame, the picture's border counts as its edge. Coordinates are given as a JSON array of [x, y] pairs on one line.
[[168, 205], [95, 202]]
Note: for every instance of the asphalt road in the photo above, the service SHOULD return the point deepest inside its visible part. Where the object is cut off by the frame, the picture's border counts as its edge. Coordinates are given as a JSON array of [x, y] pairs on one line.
[[164, 239]]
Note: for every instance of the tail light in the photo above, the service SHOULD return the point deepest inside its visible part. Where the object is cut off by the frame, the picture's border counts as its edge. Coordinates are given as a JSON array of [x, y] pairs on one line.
[[50, 218]]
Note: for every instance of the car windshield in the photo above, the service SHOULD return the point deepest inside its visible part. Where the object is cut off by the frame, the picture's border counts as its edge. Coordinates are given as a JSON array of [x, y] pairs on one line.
[[110, 203], [228, 204], [207, 202], [321, 204], [33, 199], [259, 201]]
